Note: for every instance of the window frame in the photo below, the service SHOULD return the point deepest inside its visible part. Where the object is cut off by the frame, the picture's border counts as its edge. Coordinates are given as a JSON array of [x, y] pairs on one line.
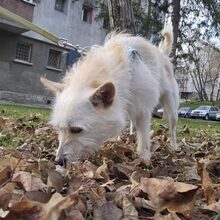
[[62, 6], [58, 67], [89, 17], [30, 52]]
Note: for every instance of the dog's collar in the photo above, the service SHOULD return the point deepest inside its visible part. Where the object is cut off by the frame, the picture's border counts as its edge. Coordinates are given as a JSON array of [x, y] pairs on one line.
[[132, 53]]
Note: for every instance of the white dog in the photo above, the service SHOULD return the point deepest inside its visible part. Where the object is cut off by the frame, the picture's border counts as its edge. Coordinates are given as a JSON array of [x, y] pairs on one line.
[[123, 79]]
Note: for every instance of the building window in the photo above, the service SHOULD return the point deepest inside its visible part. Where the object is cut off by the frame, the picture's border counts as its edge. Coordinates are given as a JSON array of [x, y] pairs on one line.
[[59, 5], [23, 52], [54, 59], [87, 14]]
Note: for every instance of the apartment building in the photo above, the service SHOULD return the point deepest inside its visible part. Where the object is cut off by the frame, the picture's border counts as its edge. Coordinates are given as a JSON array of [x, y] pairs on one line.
[[200, 73], [25, 55]]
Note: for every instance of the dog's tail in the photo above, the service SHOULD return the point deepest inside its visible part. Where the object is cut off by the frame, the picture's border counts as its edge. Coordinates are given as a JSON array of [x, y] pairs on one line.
[[165, 46]]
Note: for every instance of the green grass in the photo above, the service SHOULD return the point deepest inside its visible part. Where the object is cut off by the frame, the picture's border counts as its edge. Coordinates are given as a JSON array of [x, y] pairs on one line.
[[196, 127], [209, 128], [195, 103], [21, 118], [17, 111]]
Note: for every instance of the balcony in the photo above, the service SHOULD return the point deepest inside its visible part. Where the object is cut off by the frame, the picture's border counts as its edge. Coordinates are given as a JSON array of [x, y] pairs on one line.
[[24, 9]]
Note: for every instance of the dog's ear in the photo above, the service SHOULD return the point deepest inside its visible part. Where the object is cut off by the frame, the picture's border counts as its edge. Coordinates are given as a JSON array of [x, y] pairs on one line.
[[104, 95], [55, 87]]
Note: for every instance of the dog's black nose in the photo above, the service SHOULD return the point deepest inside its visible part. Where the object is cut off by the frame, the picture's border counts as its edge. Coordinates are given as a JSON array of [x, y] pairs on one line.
[[61, 161]]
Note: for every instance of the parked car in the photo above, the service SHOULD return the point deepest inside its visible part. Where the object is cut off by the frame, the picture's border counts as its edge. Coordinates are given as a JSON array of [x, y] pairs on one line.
[[217, 116], [212, 114], [203, 111], [184, 112]]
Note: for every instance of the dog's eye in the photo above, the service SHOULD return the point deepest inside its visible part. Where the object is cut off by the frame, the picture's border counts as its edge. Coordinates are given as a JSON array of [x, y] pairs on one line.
[[75, 130]]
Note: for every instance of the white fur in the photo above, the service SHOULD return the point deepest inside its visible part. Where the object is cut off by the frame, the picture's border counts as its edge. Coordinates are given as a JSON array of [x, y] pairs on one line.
[[140, 84]]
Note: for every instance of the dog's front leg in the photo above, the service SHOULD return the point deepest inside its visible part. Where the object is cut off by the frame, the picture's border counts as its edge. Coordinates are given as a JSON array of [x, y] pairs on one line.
[[143, 135]]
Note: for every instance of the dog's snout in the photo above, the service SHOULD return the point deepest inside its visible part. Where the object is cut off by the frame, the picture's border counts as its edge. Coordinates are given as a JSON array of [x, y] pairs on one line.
[[61, 161]]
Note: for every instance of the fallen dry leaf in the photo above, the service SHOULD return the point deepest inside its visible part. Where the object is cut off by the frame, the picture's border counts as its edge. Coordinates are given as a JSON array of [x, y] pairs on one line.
[[186, 129], [110, 184], [107, 211], [129, 209], [207, 185], [2, 122], [191, 174], [56, 180], [170, 216], [174, 196], [29, 182], [11, 161], [38, 196], [5, 197], [213, 207], [5, 175], [25, 210], [58, 203], [74, 215], [123, 199]]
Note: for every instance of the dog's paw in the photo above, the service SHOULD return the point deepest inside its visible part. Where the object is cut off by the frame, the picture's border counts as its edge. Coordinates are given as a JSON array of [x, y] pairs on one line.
[[146, 155]]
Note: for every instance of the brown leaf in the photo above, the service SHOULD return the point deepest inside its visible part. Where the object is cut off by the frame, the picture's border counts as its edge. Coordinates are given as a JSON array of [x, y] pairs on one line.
[[213, 207], [159, 132], [186, 129], [56, 179], [144, 203], [107, 211], [42, 130], [114, 172], [34, 117], [5, 175], [2, 123], [213, 167], [128, 208], [10, 161], [57, 203], [26, 210], [81, 205], [191, 174], [125, 168], [44, 167], [207, 184], [123, 200], [29, 182], [174, 196], [170, 216], [75, 215], [108, 183], [5, 197], [102, 171], [75, 183], [38, 196], [208, 188]]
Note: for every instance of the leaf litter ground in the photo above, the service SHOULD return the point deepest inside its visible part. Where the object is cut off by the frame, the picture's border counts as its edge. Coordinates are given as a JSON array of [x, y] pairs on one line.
[[113, 183]]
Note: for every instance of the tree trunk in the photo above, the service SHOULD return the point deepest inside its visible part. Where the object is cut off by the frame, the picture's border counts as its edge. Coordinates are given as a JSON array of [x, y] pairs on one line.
[[205, 95], [121, 15], [175, 23], [212, 94]]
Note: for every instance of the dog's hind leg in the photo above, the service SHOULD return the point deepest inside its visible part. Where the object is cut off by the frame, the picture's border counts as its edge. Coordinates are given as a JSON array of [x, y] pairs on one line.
[[143, 135], [170, 106], [132, 127]]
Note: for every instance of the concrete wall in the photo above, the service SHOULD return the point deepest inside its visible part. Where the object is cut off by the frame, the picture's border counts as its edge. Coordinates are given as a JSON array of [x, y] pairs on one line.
[[24, 78], [19, 81], [68, 24], [19, 7]]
